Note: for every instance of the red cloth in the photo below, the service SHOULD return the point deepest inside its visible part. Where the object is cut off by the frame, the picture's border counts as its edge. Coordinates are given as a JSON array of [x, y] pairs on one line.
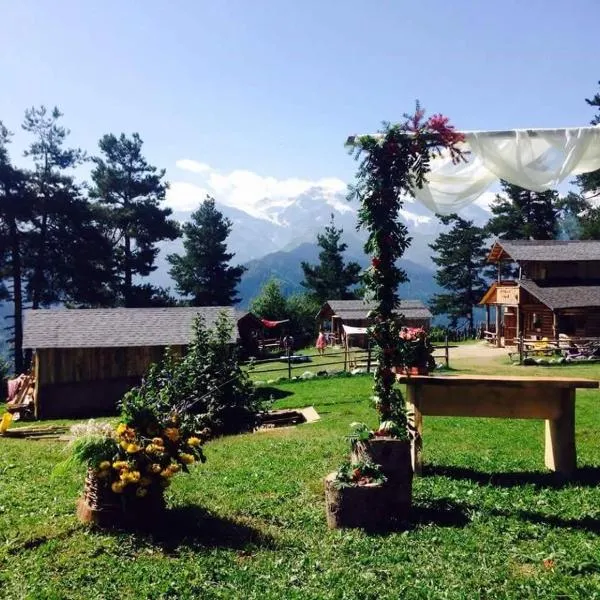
[[271, 324]]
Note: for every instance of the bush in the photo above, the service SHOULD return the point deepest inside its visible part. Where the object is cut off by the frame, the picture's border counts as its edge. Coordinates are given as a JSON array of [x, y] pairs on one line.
[[207, 382]]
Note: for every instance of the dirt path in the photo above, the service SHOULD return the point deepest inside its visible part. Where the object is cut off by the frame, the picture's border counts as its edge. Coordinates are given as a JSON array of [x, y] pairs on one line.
[[481, 352]]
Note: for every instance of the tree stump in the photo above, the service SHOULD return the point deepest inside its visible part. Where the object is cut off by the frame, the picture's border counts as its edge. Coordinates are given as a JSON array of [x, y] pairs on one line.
[[373, 506], [392, 455]]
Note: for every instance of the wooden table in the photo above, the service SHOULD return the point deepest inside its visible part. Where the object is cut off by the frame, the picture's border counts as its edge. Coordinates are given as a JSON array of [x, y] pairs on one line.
[[549, 398]]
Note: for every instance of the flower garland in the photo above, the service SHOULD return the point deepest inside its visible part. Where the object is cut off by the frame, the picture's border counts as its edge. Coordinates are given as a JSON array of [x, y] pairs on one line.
[[390, 165]]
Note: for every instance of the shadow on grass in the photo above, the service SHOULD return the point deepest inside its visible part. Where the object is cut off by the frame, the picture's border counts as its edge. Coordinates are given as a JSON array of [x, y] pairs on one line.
[[442, 513], [588, 524], [271, 393], [584, 477], [192, 527], [439, 513]]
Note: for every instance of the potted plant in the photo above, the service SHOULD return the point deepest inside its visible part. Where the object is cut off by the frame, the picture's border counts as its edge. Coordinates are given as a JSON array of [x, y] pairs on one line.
[[392, 163], [415, 352]]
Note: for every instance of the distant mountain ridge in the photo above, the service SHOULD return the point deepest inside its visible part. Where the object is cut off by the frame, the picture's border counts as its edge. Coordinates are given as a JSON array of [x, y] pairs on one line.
[[286, 267]]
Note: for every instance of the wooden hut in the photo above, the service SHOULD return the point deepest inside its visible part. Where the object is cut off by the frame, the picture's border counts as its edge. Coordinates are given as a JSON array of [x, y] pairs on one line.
[[355, 313], [86, 359], [551, 288]]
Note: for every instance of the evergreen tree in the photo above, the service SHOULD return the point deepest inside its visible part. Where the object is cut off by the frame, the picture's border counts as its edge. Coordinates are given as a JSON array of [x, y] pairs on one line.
[[590, 182], [129, 192], [331, 279], [270, 302], [67, 257], [524, 215], [203, 272], [461, 255], [15, 208]]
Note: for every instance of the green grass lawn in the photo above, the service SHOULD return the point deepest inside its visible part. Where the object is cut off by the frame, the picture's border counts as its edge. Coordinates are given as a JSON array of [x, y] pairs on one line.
[[488, 520]]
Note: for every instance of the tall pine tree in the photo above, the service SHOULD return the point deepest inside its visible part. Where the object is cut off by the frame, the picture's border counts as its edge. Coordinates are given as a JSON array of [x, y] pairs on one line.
[[66, 260], [203, 272], [461, 258], [129, 191], [524, 215], [331, 279], [15, 209], [590, 182]]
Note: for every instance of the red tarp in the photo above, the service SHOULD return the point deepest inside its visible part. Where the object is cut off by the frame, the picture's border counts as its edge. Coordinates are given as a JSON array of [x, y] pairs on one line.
[[271, 324]]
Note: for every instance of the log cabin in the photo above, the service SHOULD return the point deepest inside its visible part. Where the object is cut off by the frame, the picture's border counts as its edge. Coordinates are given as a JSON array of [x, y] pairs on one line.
[[552, 287], [84, 360]]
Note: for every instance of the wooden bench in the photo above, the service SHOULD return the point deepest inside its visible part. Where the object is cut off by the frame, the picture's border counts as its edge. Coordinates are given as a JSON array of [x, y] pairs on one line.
[[549, 398]]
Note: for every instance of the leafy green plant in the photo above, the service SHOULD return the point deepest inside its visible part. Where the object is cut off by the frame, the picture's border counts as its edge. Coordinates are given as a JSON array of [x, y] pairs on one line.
[[391, 165], [357, 473]]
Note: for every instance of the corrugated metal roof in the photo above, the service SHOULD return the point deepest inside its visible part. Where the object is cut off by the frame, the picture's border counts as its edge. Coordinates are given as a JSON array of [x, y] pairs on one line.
[[548, 250], [117, 327], [565, 296]]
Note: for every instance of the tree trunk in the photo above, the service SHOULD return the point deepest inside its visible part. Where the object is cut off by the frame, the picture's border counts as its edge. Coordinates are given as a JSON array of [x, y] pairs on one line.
[[128, 277], [17, 295]]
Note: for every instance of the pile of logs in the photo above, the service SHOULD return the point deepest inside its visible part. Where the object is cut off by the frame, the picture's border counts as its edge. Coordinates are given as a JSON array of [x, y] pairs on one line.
[[21, 396]]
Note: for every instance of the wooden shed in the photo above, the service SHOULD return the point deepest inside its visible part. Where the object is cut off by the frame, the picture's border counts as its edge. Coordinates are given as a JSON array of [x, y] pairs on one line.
[[354, 313], [86, 359]]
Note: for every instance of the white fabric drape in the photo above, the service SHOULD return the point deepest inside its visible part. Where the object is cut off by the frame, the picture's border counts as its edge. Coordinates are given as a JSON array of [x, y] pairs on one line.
[[537, 160]]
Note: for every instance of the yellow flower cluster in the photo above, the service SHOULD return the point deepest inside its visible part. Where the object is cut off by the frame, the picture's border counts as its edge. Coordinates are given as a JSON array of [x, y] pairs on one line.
[[145, 461]]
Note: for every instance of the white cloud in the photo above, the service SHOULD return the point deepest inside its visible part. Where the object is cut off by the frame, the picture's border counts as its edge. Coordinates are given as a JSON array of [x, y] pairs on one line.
[[414, 218], [194, 166], [185, 197], [245, 190]]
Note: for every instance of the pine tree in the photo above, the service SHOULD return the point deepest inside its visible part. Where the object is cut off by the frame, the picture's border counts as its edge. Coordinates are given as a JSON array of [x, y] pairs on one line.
[[461, 255], [590, 182], [270, 302], [129, 192], [15, 207], [331, 279], [523, 214], [66, 260], [203, 272]]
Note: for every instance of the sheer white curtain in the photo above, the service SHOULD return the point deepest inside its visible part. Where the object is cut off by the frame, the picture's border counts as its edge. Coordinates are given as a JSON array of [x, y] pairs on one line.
[[537, 159]]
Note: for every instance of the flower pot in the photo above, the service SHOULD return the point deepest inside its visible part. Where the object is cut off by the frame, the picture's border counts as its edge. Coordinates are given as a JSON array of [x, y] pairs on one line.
[[100, 506], [417, 371], [372, 506]]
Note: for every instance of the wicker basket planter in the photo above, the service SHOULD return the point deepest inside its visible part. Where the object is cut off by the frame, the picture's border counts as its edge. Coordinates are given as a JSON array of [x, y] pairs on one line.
[[101, 507]]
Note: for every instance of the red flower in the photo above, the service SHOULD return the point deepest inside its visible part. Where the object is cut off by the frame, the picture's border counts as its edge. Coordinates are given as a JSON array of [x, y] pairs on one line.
[[448, 135], [376, 262]]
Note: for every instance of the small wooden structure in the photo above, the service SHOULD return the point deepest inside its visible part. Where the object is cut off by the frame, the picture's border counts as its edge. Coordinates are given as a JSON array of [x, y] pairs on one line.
[[355, 313], [554, 288], [86, 359], [549, 398]]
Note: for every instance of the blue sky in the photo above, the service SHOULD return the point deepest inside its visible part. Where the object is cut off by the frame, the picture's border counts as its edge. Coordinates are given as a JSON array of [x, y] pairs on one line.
[[274, 87]]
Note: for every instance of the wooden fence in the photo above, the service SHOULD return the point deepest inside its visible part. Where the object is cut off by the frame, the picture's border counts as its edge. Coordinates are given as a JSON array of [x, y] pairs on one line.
[[354, 358]]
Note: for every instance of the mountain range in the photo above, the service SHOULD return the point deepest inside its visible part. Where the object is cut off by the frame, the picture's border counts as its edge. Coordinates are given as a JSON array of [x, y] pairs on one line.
[[275, 244]]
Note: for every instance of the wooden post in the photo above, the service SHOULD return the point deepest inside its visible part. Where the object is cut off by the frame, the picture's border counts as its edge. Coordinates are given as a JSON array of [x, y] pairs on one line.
[[498, 326], [289, 357], [555, 325], [560, 452], [36, 389], [487, 317], [414, 409], [447, 352], [521, 349]]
